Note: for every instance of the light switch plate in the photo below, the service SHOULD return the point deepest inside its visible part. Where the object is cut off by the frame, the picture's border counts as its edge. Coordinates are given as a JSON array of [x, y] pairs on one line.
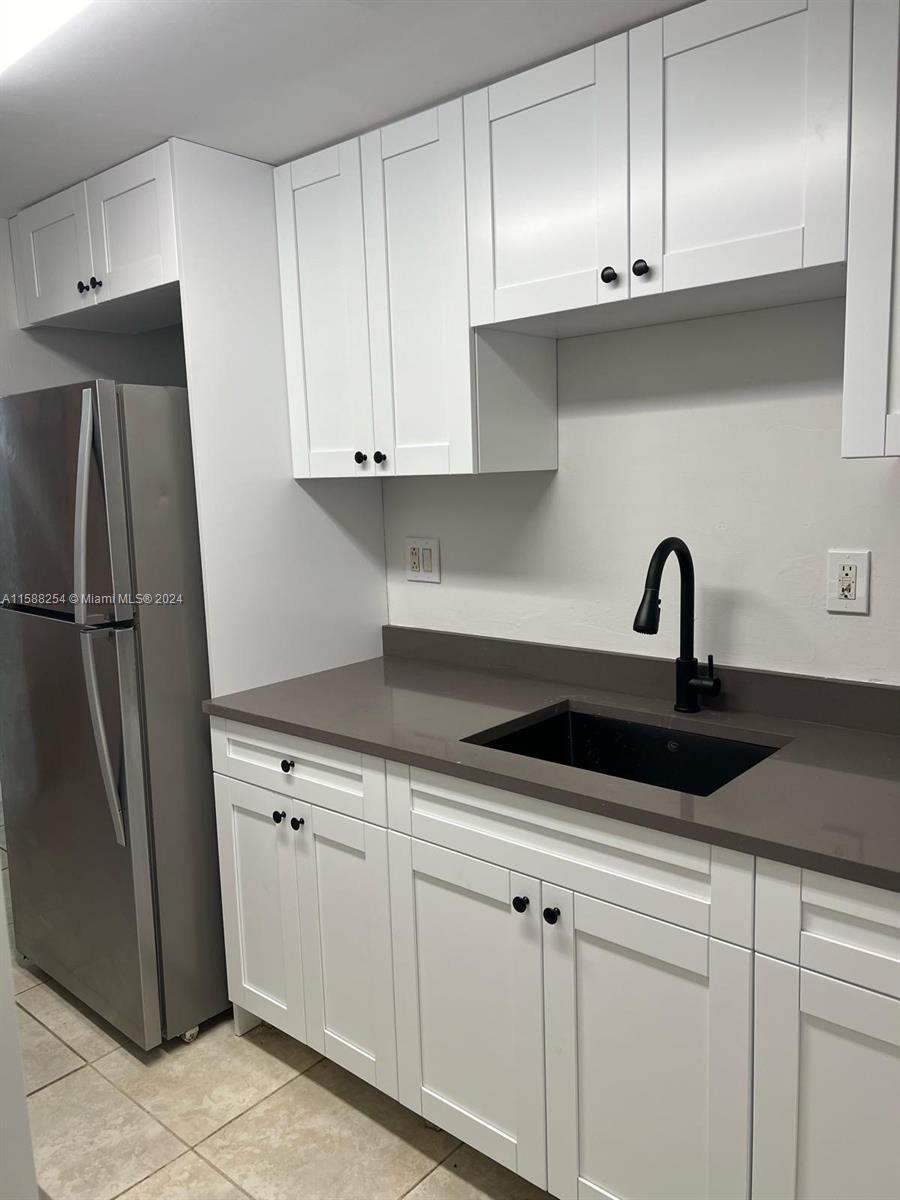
[[848, 581], [423, 560]]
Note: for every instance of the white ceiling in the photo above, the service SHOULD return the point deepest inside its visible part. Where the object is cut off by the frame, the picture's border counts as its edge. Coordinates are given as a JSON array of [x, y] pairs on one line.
[[270, 79]]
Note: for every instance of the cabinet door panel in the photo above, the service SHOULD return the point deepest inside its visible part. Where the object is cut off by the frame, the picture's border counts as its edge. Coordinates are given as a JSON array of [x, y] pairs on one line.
[[546, 163], [52, 246], [132, 218], [414, 192], [649, 1027], [345, 916], [827, 1088], [259, 905], [739, 132], [468, 982], [318, 204]]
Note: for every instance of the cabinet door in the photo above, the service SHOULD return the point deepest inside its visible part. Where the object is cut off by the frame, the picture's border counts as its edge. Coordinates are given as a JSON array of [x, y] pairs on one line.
[[318, 205], [132, 218], [53, 255], [648, 1056], [739, 129], [342, 873], [468, 995], [546, 173], [415, 212], [259, 904], [826, 1088]]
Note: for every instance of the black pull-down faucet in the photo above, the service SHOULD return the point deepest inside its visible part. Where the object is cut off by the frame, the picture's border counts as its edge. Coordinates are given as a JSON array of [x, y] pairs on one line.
[[689, 683]]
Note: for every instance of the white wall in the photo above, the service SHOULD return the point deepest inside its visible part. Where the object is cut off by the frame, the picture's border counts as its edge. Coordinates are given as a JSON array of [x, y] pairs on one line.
[[293, 576], [725, 431], [38, 358]]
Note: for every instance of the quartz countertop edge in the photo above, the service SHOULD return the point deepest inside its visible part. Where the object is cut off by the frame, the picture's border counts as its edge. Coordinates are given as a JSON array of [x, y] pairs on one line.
[[828, 799]]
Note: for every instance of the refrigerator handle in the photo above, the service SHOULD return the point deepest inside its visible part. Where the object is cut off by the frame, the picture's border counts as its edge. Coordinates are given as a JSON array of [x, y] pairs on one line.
[[93, 695], [82, 485]]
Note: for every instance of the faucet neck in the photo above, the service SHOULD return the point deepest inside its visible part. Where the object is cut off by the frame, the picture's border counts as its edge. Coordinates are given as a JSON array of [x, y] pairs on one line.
[[674, 545]]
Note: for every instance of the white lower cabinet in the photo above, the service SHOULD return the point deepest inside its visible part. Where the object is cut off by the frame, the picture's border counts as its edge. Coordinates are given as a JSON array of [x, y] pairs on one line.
[[259, 904], [307, 925], [599, 1051], [468, 989], [648, 1044], [826, 1089], [342, 873]]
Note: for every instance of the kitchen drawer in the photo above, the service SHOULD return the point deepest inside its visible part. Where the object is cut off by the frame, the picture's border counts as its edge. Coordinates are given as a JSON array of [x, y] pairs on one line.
[[705, 888], [342, 780], [834, 926]]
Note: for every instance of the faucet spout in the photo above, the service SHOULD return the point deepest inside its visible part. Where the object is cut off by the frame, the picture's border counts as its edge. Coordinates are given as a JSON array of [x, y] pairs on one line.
[[688, 681]]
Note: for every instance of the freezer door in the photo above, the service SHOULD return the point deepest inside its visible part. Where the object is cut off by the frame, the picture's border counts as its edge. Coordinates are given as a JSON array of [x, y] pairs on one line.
[[73, 788], [63, 529]]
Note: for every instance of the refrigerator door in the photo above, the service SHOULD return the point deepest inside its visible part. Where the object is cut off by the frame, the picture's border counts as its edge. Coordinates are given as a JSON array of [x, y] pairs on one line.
[[63, 531], [73, 791]]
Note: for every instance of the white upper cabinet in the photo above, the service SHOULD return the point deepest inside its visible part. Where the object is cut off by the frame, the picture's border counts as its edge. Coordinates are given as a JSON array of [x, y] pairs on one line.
[[318, 204], [385, 376], [739, 119], [546, 172], [110, 237], [415, 220], [51, 244], [132, 219]]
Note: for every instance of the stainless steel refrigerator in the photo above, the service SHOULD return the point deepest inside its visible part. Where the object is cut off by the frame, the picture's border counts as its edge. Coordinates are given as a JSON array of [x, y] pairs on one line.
[[104, 753]]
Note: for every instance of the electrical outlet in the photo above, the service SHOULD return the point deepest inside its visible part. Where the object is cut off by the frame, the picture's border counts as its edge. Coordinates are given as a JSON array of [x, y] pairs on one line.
[[423, 560], [848, 581]]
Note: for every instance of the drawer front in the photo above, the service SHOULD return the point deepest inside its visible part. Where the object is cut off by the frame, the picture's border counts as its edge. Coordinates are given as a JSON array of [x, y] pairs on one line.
[[330, 776], [700, 887], [833, 926]]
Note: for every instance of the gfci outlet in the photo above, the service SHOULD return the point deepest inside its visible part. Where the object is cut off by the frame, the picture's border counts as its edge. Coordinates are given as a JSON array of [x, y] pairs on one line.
[[848, 581], [423, 560]]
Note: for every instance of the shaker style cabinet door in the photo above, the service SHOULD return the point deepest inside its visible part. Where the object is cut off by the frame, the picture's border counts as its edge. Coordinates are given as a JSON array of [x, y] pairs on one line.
[[547, 185], [826, 1088], [739, 141], [414, 195], [259, 904], [52, 256], [648, 1034], [132, 217], [342, 874], [318, 206], [467, 970]]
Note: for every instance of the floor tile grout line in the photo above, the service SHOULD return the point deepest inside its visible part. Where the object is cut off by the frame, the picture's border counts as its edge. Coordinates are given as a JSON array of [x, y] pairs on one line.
[[88, 1062], [428, 1174], [138, 1182], [256, 1104], [65, 1075], [137, 1104]]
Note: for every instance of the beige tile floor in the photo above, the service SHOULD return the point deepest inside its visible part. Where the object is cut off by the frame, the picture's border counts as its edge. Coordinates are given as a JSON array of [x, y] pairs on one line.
[[260, 1117]]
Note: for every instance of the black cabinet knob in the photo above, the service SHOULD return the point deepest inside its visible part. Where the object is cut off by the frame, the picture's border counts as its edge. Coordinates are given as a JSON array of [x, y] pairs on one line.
[[551, 915], [296, 822], [379, 457], [95, 283], [82, 287], [640, 267], [609, 275], [278, 817], [287, 765], [359, 457], [520, 903]]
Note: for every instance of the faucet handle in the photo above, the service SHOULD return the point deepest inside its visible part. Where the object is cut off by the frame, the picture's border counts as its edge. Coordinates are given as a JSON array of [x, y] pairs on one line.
[[715, 684]]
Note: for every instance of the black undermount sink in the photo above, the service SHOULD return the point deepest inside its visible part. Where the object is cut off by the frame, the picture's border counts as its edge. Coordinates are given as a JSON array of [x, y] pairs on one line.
[[656, 754]]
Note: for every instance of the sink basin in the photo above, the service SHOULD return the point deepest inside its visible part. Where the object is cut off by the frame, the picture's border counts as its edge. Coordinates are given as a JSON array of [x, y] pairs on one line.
[[657, 754]]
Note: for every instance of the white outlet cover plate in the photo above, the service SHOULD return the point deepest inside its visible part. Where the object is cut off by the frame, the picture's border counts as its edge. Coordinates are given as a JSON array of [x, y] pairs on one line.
[[429, 550], [835, 602]]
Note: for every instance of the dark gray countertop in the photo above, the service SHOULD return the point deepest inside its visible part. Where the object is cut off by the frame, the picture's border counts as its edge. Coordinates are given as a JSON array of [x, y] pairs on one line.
[[828, 799]]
